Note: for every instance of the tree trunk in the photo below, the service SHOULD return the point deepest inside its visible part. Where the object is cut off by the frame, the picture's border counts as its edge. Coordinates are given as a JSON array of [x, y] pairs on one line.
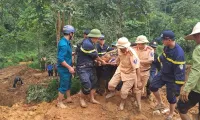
[[58, 27], [63, 20], [69, 18], [38, 45], [120, 18]]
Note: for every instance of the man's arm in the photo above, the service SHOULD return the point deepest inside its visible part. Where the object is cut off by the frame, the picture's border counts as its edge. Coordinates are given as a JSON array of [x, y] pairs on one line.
[[90, 50], [101, 60], [135, 65], [146, 61], [179, 70], [194, 75], [61, 55]]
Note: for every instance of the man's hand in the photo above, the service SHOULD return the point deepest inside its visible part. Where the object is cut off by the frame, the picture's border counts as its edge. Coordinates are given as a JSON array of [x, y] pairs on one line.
[[114, 64], [71, 70], [135, 88], [73, 53], [184, 96], [103, 62]]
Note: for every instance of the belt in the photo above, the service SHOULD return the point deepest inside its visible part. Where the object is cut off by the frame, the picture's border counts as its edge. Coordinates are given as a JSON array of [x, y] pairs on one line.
[[146, 70], [86, 65]]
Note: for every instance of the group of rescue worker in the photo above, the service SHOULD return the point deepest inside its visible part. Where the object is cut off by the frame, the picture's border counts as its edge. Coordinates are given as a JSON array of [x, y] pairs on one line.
[[131, 68]]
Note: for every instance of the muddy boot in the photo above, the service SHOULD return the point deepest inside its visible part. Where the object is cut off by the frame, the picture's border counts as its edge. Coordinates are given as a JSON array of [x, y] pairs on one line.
[[61, 105]]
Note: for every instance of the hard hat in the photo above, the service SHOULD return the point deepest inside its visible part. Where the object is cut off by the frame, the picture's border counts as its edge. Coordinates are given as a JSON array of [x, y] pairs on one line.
[[141, 39], [123, 43], [68, 29], [114, 43], [102, 37], [87, 31], [94, 33], [153, 44]]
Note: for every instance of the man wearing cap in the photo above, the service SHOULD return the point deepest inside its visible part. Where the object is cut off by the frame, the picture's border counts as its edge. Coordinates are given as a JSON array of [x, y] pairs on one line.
[[127, 71], [85, 33], [86, 66], [155, 67], [102, 71], [172, 73], [65, 69], [113, 45], [146, 56], [190, 94]]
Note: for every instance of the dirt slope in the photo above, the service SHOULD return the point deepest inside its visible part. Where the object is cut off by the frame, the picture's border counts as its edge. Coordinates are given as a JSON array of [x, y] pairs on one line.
[[9, 96], [108, 110]]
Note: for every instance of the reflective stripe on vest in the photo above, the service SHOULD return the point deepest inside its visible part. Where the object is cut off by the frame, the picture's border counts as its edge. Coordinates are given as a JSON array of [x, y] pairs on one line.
[[87, 51], [179, 82], [173, 61], [102, 53]]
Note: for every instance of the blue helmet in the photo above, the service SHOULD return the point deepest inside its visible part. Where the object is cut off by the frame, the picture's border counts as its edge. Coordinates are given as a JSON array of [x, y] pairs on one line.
[[87, 31], [68, 29], [102, 37]]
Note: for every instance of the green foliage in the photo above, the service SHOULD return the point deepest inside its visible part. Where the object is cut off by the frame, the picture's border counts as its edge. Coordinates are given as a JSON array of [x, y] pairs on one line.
[[34, 65], [159, 49], [39, 93], [52, 90], [76, 85], [14, 59], [36, 93], [7, 64], [29, 26]]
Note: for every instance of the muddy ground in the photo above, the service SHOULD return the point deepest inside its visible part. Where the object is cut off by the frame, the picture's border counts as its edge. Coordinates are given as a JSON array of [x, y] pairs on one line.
[[108, 110]]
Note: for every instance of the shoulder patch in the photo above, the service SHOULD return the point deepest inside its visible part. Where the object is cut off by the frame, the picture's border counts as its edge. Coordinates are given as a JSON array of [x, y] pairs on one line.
[[152, 54], [181, 66], [135, 61]]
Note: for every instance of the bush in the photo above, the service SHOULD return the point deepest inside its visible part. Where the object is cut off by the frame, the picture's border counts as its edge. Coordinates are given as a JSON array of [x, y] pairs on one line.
[[52, 90], [34, 65], [36, 93], [39, 93], [14, 59], [76, 85]]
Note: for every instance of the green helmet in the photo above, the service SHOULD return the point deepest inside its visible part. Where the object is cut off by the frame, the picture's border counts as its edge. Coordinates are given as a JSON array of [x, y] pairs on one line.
[[114, 43], [94, 33]]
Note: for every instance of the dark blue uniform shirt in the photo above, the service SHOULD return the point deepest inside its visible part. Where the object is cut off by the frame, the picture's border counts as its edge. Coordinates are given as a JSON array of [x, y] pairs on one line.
[[102, 50], [173, 64], [87, 53]]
